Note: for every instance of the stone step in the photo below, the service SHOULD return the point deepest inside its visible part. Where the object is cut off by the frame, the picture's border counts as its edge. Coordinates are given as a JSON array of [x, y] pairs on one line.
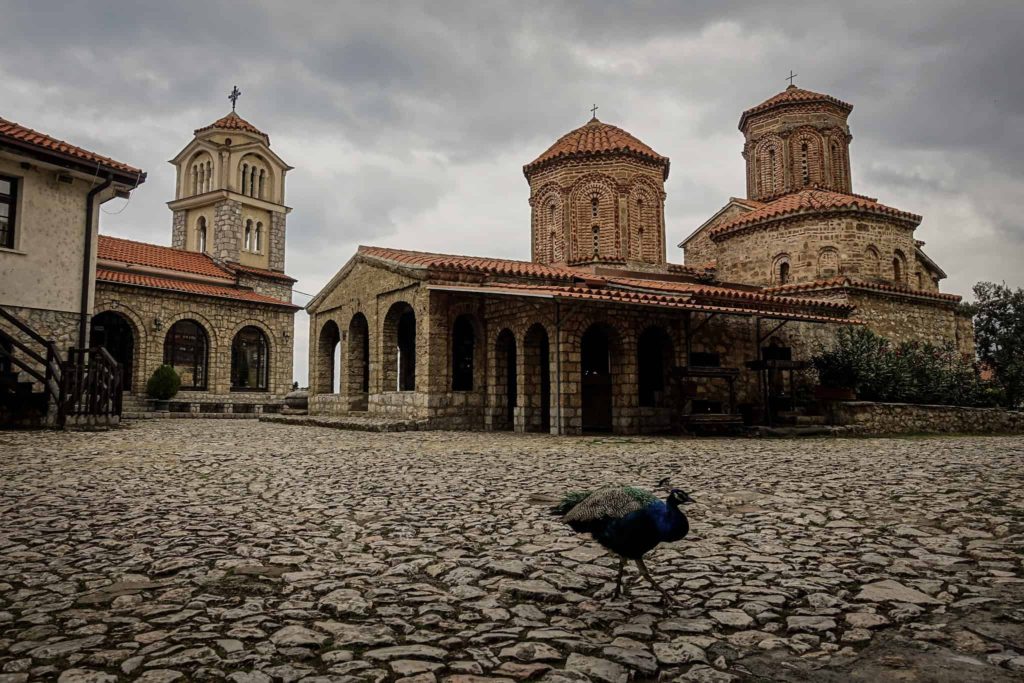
[[350, 422]]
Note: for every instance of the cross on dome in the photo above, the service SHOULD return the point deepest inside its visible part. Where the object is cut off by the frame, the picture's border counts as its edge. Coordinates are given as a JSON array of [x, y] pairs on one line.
[[233, 96]]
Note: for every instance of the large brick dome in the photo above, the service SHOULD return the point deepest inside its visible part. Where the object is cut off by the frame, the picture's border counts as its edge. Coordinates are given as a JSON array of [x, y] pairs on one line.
[[596, 138]]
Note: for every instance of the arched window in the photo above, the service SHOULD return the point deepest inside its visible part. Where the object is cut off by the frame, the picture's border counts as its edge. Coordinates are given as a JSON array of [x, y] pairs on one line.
[[258, 239], [252, 182], [185, 349], [201, 234], [593, 206], [771, 171], [897, 269], [837, 167], [243, 179], [250, 366], [209, 176], [920, 280], [399, 361], [463, 347], [804, 168], [263, 178], [247, 243], [551, 247], [784, 272], [195, 180], [597, 239], [828, 262], [871, 262]]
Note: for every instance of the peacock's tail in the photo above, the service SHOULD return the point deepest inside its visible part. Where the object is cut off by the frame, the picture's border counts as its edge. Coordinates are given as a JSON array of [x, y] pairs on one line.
[[571, 500]]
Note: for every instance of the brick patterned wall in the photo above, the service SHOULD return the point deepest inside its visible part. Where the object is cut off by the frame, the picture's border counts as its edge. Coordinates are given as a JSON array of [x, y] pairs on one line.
[[617, 184]]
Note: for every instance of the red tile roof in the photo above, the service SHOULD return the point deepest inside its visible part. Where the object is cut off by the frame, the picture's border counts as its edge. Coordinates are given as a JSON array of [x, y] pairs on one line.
[[19, 133], [793, 95], [469, 264], [272, 274], [843, 281], [701, 290], [232, 122], [643, 298], [187, 287], [810, 201], [596, 137], [155, 256]]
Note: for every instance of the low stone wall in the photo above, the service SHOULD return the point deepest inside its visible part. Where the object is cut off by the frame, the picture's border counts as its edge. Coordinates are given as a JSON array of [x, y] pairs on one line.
[[906, 418]]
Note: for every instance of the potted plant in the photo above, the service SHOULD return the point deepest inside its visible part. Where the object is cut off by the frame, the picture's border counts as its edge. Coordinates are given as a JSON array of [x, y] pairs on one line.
[[162, 386]]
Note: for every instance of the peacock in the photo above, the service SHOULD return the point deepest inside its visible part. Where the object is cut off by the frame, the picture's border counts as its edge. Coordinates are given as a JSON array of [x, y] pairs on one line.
[[628, 521]]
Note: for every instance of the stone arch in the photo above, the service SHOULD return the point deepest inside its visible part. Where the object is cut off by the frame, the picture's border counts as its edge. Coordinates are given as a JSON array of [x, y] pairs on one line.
[[828, 262], [549, 227], [768, 166], [357, 378], [256, 177], [655, 357], [602, 364], [505, 389], [398, 352], [251, 358], [202, 235], [645, 229], [594, 204], [899, 267], [837, 156], [781, 269], [537, 379], [328, 358], [872, 262], [200, 174], [124, 340], [807, 162], [187, 348]]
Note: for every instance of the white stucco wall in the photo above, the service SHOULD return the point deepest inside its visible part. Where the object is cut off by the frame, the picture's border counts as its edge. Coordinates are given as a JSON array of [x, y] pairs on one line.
[[44, 270]]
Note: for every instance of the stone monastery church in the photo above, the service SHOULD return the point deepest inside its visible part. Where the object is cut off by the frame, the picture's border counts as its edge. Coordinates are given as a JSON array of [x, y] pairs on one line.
[[599, 331]]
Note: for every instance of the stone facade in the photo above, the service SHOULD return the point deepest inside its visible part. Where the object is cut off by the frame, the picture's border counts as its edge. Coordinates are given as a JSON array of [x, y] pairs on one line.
[[151, 313], [905, 418]]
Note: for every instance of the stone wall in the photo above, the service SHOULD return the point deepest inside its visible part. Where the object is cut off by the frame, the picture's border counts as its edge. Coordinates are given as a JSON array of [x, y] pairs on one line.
[[221, 318], [278, 289], [276, 241], [817, 248], [226, 241], [908, 318], [58, 326], [906, 418]]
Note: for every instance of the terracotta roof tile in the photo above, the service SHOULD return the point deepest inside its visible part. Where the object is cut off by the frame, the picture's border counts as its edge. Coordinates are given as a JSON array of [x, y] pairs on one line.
[[186, 287], [596, 137], [842, 281], [155, 256], [810, 201], [724, 292], [17, 132], [232, 122], [793, 95], [263, 272], [470, 264], [645, 298]]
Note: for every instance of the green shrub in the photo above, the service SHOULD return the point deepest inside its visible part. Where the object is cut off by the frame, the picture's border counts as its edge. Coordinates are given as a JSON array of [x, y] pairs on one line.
[[909, 372], [164, 383]]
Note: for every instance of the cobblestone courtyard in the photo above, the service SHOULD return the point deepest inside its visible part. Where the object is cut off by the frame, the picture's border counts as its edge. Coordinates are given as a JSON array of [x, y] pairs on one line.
[[192, 549]]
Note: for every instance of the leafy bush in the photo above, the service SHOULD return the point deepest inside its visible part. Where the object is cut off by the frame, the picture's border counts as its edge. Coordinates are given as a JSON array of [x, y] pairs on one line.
[[909, 372], [164, 383]]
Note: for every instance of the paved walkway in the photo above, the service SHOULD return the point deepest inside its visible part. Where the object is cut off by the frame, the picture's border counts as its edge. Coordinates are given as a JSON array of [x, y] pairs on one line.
[[172, 550]]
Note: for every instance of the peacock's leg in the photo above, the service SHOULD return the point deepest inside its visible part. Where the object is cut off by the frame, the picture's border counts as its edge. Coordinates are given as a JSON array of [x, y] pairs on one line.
[[647, 575], [618, 579]]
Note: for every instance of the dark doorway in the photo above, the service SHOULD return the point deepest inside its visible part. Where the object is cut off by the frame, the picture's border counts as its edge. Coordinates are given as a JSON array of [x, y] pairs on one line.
[[407, 352], [506, 368], [595, 368], [113, 332], [358, 373], [537, 375], [463, 342], [653, 358]]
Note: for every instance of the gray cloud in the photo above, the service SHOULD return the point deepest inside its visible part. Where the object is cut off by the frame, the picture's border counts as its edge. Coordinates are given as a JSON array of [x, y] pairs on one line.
[[408, 123]]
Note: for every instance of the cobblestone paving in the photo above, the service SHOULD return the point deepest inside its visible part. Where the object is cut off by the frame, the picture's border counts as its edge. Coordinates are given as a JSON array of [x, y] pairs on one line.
[[195, 550]]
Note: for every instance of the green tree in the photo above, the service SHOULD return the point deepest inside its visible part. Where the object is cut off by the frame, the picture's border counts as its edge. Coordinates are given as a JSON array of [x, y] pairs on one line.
[[999, 336]]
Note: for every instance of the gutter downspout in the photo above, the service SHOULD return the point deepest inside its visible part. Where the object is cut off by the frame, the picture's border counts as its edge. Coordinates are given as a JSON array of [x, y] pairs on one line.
[[87, 272]]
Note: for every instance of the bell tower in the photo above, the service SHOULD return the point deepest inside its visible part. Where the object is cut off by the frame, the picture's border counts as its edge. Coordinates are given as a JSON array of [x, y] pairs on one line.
[[796, 140], [229, 196]]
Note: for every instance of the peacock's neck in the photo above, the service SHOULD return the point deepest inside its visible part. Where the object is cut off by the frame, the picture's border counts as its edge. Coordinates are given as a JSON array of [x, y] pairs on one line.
[[678, 522]]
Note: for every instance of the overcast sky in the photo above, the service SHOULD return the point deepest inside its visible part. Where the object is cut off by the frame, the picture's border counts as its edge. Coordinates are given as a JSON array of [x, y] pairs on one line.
[[408, 123]]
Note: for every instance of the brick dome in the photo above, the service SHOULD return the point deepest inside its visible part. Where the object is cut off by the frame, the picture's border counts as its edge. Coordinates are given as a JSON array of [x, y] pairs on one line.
[[793, 95], [596, 138], [233, 122]]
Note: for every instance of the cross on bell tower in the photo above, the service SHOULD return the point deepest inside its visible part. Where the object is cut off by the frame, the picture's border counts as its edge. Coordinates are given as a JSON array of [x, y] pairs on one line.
[[233, 96], [791, 76]]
